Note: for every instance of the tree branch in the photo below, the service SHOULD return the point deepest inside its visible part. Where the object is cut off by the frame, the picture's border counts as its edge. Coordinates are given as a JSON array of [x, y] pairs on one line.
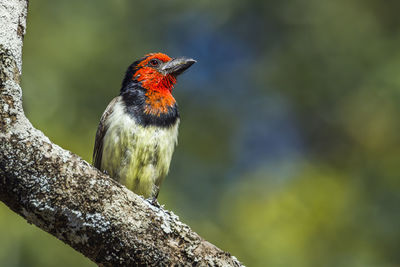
[[67, 197]]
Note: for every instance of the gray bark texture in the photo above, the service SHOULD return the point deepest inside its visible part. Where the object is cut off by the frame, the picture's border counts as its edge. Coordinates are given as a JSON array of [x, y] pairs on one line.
[[70, 199]]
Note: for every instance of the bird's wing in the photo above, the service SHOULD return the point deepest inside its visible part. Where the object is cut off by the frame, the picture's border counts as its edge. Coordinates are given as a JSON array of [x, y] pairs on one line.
[[101, 131]]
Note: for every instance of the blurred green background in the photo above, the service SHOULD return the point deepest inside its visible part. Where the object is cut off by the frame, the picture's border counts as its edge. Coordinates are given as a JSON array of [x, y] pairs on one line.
[[289, 147]]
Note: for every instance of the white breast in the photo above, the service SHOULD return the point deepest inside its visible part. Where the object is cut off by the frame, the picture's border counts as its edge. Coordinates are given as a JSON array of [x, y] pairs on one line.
[[137, 156]]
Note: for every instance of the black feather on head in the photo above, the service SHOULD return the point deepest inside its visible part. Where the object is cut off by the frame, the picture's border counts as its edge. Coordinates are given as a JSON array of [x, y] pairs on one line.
[[129, 74]]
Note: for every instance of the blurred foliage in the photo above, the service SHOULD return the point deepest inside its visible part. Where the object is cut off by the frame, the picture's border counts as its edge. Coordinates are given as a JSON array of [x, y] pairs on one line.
[[289, 144]]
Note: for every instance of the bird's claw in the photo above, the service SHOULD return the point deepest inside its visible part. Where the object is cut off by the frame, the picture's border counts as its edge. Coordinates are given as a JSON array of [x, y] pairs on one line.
[[153, 201]]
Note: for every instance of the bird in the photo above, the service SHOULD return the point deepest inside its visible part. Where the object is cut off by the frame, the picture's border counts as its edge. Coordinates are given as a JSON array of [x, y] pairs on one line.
[[138, 130]]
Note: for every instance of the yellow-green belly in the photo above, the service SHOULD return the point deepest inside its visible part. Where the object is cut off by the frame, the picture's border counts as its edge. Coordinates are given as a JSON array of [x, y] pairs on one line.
[[137, 156]]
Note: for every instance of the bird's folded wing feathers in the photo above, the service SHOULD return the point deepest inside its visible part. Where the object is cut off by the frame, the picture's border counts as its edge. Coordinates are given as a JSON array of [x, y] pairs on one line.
[[101, 131]]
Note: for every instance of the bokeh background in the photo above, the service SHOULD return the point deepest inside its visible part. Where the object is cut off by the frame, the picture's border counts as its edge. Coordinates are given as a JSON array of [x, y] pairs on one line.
[[289, 147]]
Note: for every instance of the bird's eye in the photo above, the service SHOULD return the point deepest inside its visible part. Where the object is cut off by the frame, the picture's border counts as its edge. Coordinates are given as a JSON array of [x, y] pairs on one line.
[[154, 62]]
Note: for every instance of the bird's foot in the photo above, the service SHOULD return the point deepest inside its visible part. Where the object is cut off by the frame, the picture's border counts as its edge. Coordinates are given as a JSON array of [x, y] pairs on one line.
[[153, 201]]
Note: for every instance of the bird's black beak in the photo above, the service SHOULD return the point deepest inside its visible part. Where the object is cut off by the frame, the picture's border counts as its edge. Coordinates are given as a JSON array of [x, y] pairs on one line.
[[177, 65]]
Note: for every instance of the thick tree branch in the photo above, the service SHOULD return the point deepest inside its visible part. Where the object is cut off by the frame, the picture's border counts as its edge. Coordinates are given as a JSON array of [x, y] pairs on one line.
[[67, 197]]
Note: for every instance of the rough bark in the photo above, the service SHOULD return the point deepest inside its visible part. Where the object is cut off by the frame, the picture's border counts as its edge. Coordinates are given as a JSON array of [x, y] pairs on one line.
[[67, 197]]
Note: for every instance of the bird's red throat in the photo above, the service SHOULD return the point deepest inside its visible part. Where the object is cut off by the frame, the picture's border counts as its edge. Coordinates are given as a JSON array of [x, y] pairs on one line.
[[159, 90]]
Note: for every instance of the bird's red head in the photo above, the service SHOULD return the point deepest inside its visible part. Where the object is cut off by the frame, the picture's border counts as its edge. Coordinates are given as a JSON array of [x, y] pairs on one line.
[[150, 75], [157, 74]]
